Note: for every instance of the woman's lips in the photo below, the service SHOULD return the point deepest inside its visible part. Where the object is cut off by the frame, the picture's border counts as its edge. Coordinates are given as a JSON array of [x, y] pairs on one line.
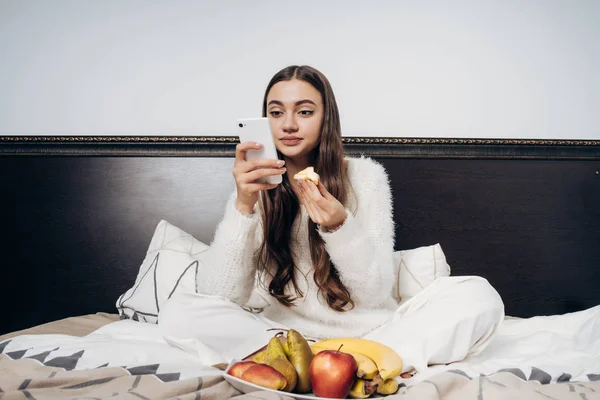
[[291, 141]]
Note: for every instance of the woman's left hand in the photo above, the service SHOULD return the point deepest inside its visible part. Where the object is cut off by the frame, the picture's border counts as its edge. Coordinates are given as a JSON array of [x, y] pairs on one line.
[[322, 208]]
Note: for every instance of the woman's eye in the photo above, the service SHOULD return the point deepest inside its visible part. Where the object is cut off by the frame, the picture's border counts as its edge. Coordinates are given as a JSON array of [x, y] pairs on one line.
[[306, 112], [275, 113]]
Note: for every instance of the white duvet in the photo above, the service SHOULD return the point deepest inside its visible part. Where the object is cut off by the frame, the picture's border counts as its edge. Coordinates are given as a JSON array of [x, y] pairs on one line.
[[544, 348], [125, 343]]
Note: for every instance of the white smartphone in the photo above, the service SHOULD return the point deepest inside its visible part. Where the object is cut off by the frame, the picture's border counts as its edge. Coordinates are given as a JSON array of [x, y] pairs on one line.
[[259, 130]]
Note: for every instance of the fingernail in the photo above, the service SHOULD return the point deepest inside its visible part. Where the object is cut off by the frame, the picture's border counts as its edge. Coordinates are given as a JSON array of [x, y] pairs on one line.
[[280, 162], [258, 144]]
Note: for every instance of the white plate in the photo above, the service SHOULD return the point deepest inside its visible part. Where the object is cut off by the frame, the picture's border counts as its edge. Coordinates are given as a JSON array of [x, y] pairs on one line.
[[247, 387]]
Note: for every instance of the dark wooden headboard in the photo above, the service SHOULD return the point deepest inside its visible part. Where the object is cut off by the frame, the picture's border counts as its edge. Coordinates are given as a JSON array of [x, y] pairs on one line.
[[78, 214]]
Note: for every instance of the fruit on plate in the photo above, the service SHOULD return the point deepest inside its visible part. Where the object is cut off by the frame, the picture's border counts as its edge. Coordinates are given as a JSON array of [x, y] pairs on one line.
[[276, 358], [260, 356], [332, 373], [265, 376], [300, 356], [389, 386], [388, 362], [308, 174], [367, 369], [362, 389], [239, 368], [331, 368]]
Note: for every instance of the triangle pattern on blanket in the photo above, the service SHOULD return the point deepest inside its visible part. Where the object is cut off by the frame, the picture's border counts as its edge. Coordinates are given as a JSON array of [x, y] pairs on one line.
[[3, 346], [41, 356], [144, 369], [593, 377], [541, 376], [16, 355], [169, 377], [67, 362], [564, 378]]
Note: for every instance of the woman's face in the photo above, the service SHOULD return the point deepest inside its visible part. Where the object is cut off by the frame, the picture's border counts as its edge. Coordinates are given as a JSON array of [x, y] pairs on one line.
[[295, 112]]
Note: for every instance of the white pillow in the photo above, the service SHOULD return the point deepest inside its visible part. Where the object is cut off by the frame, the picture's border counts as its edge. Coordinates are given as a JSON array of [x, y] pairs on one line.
[[170, 266], [415, 269]]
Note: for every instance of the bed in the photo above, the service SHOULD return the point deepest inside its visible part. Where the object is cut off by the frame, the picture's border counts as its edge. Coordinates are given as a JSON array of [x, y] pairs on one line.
[[82, 215]]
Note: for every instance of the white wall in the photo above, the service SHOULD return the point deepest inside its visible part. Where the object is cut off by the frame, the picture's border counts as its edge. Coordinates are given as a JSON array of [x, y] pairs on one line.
[[505, 68]]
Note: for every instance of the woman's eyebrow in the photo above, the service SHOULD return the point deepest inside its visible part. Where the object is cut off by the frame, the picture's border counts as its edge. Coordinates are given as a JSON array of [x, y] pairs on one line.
[[299, 102], [305, 101]]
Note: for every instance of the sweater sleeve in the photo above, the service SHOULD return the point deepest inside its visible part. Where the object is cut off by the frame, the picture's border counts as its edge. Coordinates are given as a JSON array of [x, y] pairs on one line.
[[362, 248], [229, 267]]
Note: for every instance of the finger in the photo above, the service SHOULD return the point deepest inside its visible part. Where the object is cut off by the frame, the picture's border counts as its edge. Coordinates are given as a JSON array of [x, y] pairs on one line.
[[257, 187], [324, 191], [242, 167], [317, 198], [327, 202], [300, 193], [242, 148], [311, 208], [253, 176], [326, 206], [314, 213], [265, 163], [314, 192], [304, 192], [302, 197]]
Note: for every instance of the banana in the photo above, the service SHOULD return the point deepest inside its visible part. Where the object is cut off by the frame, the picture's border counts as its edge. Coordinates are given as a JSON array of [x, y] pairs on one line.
[[366, 367], [389, 386], [361, 389], [388, 362]]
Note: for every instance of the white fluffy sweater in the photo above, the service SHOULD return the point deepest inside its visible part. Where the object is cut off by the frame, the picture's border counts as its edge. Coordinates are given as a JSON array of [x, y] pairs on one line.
[[361, 250]]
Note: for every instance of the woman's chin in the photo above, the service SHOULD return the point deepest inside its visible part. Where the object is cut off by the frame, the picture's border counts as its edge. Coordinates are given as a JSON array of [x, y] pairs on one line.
[[292, 153]]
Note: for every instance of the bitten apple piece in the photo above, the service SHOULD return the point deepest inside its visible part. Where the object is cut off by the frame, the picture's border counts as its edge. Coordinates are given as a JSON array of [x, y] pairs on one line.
[[308, 174]]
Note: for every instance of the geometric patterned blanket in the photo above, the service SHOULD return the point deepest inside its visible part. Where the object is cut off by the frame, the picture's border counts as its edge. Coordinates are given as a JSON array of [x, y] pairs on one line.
[[29, 378]]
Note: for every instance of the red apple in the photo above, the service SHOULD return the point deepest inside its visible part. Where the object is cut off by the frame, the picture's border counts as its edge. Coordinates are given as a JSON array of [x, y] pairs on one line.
[[239, 368], [332, 373]]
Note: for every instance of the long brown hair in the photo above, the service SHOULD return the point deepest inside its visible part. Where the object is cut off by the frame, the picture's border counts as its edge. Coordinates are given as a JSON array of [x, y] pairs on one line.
[[280, 205]]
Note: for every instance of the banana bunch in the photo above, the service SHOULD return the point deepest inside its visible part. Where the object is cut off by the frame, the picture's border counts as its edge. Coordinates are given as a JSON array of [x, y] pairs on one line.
[[378, 365]]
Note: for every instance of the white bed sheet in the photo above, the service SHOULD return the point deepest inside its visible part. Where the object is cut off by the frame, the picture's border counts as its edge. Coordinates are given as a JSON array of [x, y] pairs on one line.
[[544, 348], [126, 343]]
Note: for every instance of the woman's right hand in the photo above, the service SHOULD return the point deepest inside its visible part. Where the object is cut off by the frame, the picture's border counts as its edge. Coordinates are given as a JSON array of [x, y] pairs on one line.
[[246, 173]]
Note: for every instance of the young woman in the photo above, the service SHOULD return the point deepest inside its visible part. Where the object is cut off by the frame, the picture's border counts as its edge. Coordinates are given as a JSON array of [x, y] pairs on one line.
[[318, 257]]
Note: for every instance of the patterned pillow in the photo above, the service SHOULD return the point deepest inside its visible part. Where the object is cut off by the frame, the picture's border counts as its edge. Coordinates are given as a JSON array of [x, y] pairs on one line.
[[416, 268], [174, 256], [170, 266]]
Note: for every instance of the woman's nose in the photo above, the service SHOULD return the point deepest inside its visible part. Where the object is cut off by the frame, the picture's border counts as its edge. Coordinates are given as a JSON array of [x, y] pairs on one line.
[[289, 124]]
